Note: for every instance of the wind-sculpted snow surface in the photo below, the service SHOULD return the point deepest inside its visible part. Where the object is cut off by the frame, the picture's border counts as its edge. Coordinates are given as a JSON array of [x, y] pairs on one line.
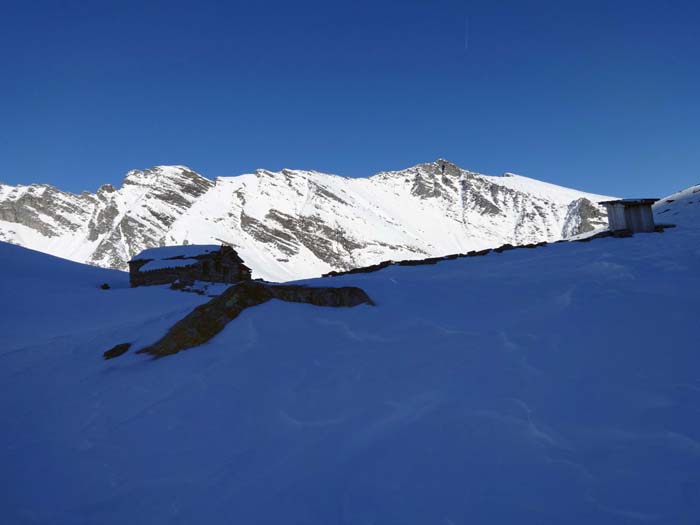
[[554, 385], [297, 224]]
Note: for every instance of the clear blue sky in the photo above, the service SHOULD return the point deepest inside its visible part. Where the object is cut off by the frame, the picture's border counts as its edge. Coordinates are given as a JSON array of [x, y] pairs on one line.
[[598, 95]]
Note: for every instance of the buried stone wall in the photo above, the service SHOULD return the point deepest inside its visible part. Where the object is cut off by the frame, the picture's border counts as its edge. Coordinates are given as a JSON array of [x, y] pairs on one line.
[[207, 320], [659, 228]]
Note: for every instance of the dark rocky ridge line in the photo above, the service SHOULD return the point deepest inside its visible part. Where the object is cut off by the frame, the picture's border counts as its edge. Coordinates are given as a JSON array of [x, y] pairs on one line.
[[207, 320], [432, 260], [479, 253]]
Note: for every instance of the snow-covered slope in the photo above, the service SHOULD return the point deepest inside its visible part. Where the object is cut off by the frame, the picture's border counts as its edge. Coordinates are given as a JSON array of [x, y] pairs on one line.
[[297, 224], [682, 207], [553, 385]]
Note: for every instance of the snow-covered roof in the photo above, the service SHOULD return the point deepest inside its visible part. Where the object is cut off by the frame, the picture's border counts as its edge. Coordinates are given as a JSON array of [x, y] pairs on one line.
[[171, 252], [167, 263]]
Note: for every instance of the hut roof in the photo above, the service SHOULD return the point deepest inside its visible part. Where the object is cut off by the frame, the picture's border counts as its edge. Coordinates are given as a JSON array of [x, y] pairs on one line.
[[173, 252], [630, 202], [159, 264]]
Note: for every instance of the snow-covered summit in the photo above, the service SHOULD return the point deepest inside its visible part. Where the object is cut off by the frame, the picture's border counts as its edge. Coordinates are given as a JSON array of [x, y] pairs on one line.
[[158, 174]]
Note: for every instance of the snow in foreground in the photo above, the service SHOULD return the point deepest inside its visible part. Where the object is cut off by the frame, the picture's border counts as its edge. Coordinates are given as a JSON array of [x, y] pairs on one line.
[[554, 385]]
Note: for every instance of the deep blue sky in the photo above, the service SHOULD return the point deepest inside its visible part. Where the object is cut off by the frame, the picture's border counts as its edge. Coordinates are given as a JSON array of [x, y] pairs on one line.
[[598, 95]]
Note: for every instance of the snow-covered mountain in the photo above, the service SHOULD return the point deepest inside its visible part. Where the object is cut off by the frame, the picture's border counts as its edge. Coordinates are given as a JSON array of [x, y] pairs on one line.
[[552, 385], [296, 224], [105, 228]]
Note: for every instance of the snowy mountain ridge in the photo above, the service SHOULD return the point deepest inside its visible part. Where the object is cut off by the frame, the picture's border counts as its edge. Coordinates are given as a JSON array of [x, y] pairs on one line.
[[297, 224]]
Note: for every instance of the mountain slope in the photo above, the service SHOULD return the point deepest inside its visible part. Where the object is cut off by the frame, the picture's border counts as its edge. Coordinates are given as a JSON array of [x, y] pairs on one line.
[[682, 207], [555, 385], [296, 224], [105, 228]]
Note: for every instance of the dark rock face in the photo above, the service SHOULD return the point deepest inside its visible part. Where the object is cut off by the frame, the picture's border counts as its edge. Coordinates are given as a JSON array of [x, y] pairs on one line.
[[205, 321], [102, 222], [290, 234], [270, 234], [435, 179], [592, 216], [47, 210], [584, 216]]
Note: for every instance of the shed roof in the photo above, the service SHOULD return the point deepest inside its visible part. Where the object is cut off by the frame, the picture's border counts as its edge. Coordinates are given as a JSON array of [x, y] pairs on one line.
[[631, 202], [170, 252]]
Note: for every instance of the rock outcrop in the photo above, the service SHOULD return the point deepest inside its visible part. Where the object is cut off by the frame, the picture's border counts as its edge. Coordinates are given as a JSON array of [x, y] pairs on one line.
[[207, 320]]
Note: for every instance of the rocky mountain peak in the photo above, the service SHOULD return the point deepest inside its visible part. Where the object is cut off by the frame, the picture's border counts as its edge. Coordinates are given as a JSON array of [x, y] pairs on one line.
[[160, 174], [442, 167], [105, 188]]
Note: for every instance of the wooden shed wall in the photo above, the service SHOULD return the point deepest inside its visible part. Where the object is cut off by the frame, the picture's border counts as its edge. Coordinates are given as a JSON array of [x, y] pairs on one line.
[[633, 217]]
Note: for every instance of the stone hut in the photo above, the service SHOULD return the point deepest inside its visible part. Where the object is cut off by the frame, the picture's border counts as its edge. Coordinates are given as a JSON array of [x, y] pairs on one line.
[[187, 263], [634, 215]]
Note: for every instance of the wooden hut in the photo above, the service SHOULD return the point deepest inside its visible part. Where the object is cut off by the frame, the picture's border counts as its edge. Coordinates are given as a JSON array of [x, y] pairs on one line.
[[634, 215]]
